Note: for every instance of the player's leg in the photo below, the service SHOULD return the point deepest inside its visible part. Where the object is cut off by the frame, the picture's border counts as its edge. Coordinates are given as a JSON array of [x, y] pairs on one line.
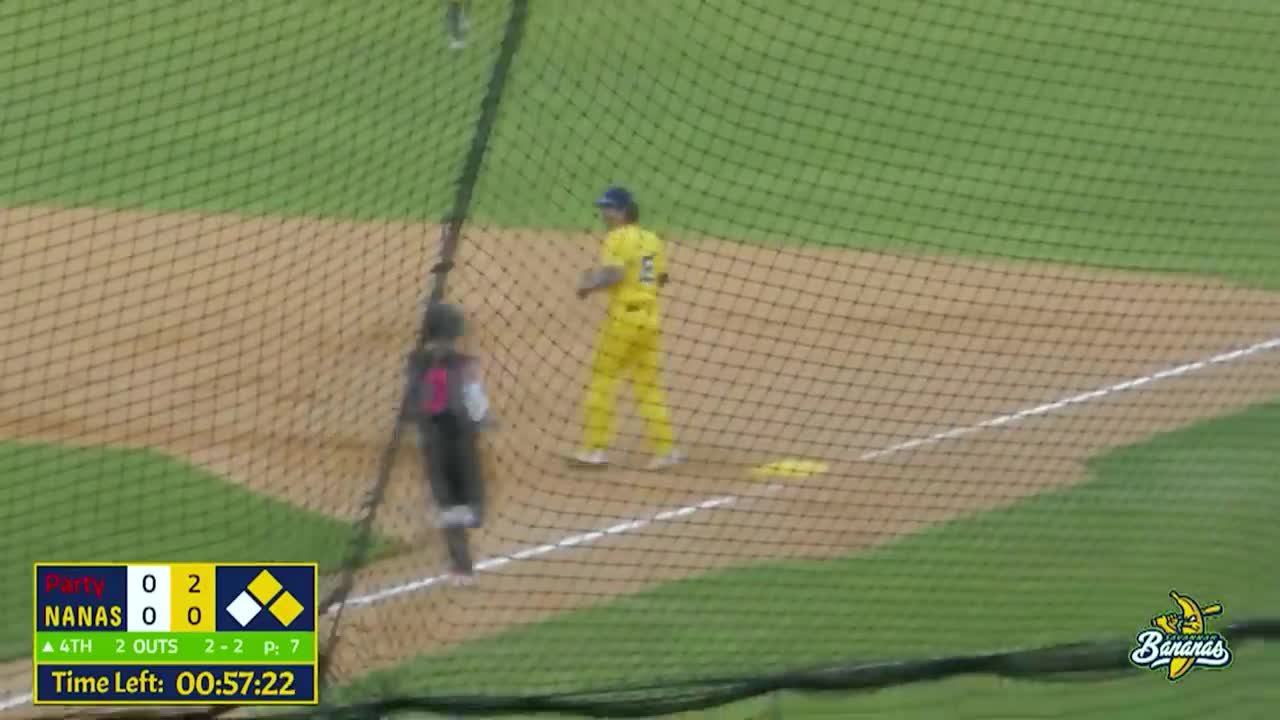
[[429, 443], [456, 21], [438, 443], [598, 409], [651, 399], [460, 516], [469, 489], [458, 545]]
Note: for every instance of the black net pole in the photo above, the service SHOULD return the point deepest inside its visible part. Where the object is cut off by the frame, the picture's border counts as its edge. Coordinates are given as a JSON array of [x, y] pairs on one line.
[[450, 237]]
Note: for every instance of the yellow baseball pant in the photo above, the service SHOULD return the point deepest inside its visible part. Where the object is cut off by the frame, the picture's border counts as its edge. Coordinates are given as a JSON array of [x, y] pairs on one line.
[[627, 344]]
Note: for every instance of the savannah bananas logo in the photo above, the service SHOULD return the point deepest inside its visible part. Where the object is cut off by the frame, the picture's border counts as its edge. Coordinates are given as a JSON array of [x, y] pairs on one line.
[[1178, 640]]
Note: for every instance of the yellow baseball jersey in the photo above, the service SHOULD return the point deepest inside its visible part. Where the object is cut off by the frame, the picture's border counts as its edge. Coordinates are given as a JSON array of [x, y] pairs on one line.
[[643, 259]]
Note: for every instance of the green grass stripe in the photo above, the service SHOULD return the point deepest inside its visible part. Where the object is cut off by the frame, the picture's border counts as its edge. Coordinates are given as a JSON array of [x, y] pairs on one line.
[[64, 504], [1191, 510], [1091, 133]]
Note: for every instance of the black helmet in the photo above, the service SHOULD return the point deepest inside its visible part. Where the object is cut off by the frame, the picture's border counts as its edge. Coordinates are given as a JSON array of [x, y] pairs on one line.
[[443, 321]]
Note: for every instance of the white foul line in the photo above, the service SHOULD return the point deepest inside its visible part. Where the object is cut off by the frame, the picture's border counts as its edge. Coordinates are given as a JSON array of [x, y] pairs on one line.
[[627, 526], [537, 550], [1084, 397]]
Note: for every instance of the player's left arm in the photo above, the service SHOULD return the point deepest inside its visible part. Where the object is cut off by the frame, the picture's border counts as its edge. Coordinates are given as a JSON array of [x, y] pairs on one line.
[[474, 398]]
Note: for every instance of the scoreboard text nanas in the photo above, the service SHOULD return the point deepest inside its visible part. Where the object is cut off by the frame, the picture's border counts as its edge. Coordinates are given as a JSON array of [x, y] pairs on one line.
[[157, 633], [78, 614]]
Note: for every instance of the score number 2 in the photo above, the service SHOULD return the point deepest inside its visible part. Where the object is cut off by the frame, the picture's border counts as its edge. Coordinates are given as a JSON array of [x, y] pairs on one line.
[[193, 612], [208, 645]]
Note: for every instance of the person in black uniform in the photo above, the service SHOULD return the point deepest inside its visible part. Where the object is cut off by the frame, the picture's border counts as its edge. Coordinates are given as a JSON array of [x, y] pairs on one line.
[[448, 407], [455, 19]]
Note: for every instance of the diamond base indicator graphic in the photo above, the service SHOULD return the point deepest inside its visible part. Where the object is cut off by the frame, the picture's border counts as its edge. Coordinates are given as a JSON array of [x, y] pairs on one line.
[[166, 634]]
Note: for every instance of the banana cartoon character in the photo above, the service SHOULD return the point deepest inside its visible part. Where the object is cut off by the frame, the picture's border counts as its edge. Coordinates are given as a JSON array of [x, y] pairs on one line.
[[1190, 621]]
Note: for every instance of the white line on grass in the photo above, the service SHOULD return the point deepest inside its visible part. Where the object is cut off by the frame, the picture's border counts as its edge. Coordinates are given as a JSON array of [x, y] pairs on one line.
[[627, 526]]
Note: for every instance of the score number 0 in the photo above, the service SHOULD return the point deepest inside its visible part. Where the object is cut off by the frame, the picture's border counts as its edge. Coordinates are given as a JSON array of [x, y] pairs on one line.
[[149, 586]]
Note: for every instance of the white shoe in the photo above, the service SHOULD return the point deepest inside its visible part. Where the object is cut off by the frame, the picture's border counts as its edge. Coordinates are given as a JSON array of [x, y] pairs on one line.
[[670, 459], [456, 516], [457, 44], [590, 458], [460, 579]]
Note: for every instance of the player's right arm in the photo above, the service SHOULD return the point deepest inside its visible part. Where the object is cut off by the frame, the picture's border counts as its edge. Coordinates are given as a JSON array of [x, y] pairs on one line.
[[612, 269], [414, 368]]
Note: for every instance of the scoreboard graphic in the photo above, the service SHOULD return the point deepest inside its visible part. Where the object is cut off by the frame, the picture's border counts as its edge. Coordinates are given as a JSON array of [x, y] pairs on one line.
[[175, 634]]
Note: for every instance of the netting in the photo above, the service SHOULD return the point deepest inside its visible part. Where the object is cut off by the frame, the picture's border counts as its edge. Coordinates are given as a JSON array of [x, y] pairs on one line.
[[970, 340]]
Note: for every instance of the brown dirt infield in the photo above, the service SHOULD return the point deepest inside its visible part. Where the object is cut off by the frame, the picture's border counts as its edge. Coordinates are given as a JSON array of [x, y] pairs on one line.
[[269, 351]]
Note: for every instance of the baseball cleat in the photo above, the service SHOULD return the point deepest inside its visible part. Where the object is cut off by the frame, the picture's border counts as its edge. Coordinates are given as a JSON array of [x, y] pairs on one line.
[[460, 579], [670, 459], [444, 518], [589, 458], [457, 44], [458, 516]]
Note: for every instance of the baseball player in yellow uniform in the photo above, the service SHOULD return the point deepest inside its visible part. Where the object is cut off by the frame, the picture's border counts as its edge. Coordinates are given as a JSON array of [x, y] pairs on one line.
[[633, 267]]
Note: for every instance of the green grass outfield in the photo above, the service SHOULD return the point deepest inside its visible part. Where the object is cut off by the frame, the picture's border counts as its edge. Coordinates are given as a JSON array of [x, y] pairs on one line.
[[66, 504], [1193, 510], [1111, 132]]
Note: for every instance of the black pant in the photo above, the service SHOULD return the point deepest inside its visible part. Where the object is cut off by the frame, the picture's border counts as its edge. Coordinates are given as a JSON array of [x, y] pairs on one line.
[[451, 466], [451, 461], [455, 18]]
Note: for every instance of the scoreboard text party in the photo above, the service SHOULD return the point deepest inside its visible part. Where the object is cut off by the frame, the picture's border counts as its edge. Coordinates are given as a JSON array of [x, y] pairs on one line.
[[169, 634]]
